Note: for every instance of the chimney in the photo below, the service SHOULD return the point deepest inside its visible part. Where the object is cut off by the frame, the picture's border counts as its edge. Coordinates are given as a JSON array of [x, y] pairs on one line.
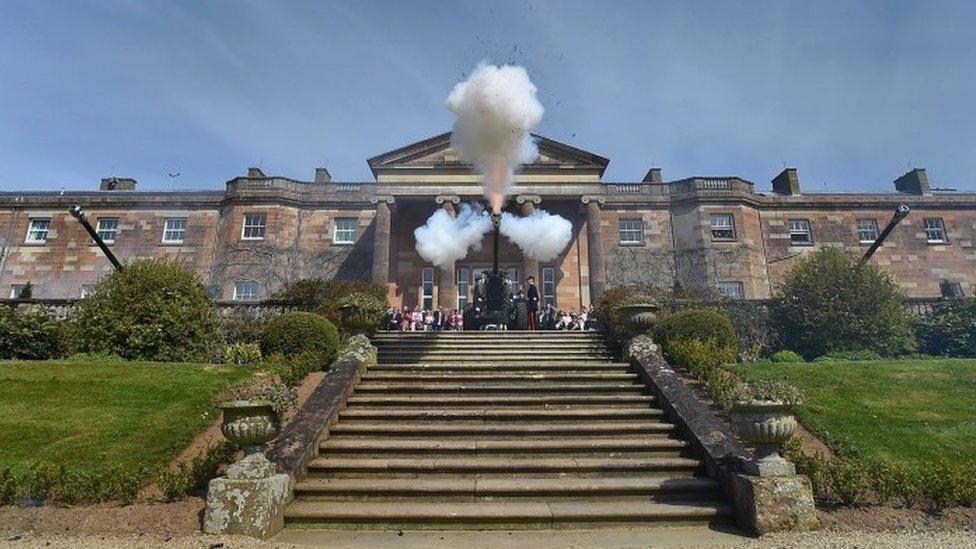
[[322, 175], [787, 182], [653, 176], [117, 184], [255, 172], [913, 182]]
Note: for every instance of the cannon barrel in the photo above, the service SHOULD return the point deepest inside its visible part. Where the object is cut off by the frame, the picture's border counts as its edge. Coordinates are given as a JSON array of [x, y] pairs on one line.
[[901, 212], [77, 213]]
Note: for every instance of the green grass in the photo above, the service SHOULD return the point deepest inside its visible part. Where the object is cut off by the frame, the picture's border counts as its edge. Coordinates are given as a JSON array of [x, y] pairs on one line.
[[92, 416], [908, 410]]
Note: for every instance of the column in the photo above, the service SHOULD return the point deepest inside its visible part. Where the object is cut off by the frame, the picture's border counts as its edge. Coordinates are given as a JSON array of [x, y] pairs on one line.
[[447, 292], [381, 241], [594, 247], [530, 267]]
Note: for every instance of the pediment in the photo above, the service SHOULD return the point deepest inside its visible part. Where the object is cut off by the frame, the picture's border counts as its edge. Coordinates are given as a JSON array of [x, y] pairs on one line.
[[436, 153]]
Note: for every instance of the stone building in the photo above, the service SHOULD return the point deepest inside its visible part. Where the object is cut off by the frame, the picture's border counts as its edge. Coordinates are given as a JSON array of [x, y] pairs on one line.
[[263, 231]]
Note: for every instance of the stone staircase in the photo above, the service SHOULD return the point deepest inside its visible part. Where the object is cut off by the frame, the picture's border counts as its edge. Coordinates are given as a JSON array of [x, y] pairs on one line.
[[501, 430]]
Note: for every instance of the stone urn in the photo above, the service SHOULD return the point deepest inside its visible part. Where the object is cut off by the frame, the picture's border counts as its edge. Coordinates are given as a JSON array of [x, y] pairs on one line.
[[638, 317], [249, 425], [765, 425]]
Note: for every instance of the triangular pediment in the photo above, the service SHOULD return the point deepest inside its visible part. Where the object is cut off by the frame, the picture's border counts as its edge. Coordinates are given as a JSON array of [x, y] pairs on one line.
[[436, 153]]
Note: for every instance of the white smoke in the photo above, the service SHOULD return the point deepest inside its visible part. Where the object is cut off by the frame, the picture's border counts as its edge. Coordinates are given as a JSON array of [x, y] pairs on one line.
[[445, 239], [496, 110], [540, 236]]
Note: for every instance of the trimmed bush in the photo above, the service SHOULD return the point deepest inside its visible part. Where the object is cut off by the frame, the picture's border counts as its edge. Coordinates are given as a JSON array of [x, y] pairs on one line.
[[292, 334], [949, 329], [696, 324], [786, 356], [698, 357], [31, 335], [829, 303], [154, 309]]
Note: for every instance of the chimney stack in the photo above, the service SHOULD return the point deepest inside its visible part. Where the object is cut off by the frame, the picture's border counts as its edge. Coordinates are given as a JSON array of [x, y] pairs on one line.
[[117, 184], [653, 176], [322, 175], [255, 173], [913, 182], [787, 182]]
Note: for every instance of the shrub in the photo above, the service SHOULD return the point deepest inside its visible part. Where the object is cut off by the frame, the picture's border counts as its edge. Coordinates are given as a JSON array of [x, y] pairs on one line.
[[242, 354], [829, 303], [696, 356], [848, 356], [768, 389], [154, 309], [294, 370], [948, 330], [294, 333], [266, 389], [27, 292], [322, 296], [194, 476], [696, 324], [721, 383], [752, 327], [31, 335], [55, 483], [786, 356], [605, 311], [849, 481], [362, 313], [240, 326]]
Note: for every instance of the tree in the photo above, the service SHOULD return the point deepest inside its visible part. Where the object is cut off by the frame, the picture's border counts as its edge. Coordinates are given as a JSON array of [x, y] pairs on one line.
[[830, 303]]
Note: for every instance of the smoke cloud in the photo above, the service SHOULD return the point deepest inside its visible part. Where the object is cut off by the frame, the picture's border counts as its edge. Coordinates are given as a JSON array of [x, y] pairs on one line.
[[445, 239], [540, 236], [496, 110]]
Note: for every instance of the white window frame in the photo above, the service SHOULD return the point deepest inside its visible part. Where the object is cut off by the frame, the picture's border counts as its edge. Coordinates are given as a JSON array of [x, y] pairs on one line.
[[549, 286], [935, 225], [732, 289], [427, 288], [104, 231], [254, 222], [630, 235], [806, 231], [86, 290], [15, 290], [167, 230], [247, 290], [722, 226], [866, 227], [513, 276], [464, 286], [345, 239], [32, 229]]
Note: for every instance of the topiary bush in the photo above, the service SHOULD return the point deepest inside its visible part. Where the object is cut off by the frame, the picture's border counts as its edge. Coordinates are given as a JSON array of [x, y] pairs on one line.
[[786, 356], [949, 329], [696, 324], [31, 335], [154, 309], [829, 303], [292, 334]]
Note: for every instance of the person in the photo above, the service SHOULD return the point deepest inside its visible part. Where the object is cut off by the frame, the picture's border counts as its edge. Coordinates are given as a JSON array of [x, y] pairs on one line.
[[417, 316], [521, 320], [478, 293], [532, 304], [406, 320], [438, 324], [565, 321], [548, 317], [393, 319]]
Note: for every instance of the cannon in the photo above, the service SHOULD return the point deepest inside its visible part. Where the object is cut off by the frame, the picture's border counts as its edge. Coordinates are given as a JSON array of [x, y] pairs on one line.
[[77, 213], [901, 212]]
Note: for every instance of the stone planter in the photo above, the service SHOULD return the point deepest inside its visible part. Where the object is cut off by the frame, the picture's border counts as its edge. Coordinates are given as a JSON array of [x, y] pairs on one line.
[[357, 321], [765, 425], [638, 317], [249, 425]]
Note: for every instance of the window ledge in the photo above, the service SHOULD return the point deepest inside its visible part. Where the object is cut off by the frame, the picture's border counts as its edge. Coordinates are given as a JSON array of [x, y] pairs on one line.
[[714, 239], [631, 244]]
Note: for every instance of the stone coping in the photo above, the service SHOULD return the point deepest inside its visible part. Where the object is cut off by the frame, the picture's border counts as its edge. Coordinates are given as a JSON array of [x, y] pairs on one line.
[[299, 442]]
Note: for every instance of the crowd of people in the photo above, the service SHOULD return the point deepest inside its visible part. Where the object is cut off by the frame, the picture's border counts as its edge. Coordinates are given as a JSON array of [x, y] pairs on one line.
[[522, 313]]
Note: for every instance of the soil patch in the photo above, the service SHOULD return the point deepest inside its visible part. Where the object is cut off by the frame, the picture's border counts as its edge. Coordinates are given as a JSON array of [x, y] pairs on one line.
[[873, 518], [151, 519]]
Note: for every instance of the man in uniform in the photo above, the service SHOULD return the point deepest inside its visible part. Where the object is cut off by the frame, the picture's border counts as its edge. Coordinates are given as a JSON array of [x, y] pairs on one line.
[[532, 303]]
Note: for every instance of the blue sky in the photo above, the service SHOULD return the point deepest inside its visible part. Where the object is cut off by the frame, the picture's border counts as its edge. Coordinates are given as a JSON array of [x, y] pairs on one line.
[[850, 93]]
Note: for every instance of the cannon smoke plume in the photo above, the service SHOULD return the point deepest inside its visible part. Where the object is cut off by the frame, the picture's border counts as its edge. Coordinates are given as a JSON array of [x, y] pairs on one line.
[[540, 236], [445, 239]]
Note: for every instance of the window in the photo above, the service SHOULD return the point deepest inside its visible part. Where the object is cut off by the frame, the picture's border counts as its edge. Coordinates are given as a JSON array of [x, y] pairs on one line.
[[175, 230], [87, 290], [463, 275], [37, 230], [549, 286], [950, 289], [935, 231], [867, 231], [427, 289], [731, 290], [247, 290], [513, 276], [15, 290], [631, 231], [345, 231], [723, 226], [108, 228], [254, 226], [800, 232]]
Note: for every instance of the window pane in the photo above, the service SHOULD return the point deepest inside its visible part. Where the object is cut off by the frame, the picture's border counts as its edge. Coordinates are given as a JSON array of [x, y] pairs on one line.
[[462, 284], [15, 290], [722, 226], [867, 230], [345, 231], [247, 291], [108, 228], [254, 226], [631, 231], [731, 290], [427, 288], [38, 229], [934, 229], [549, 286], [800, 231], [175, 230]]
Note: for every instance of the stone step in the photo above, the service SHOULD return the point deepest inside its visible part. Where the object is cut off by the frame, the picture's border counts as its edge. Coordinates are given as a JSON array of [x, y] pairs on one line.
[[461, 367], [379, 445], [417, 346], [492, 351], [498, 414], [425, 377], [508, 514], [470, 429], [386, 335], [487, 464], [492, 362], [499, 400], [512, 387]]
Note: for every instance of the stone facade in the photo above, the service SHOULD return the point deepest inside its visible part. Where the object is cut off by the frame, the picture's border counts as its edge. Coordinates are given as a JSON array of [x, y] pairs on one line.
[[700, 232]]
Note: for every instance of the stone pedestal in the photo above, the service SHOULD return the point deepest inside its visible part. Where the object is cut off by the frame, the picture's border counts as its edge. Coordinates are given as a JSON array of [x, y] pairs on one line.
[[774, 504], [249, 501]]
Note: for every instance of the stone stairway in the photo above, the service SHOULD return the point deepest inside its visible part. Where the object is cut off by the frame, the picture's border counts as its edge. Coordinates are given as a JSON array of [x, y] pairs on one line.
[[501, 430]]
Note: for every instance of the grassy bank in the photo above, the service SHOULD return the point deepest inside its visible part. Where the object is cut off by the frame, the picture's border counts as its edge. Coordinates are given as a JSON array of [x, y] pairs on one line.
[[911, 410], [92, 416]]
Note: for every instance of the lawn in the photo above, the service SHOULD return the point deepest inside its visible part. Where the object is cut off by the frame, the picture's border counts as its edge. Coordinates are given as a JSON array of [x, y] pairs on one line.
[[92, 416], [904, 409]]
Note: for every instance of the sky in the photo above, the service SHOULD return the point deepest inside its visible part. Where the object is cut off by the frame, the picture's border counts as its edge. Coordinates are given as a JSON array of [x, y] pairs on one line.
[[852, 94]]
